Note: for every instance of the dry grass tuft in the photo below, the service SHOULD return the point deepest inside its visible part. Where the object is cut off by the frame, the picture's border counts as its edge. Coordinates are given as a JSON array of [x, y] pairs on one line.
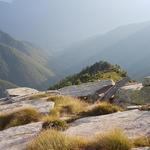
[[145, 108], [19, 117], [54, 123], [142, 142], [114, 140], [65, 105], [54, 140], [102, 108], [38, 96]]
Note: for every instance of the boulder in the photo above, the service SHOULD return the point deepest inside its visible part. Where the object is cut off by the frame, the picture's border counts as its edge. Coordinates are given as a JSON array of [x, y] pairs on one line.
[[146, 81], [42, 106], [22, 91], [134, 123], [16, 138], [130, 94], [87, 89]]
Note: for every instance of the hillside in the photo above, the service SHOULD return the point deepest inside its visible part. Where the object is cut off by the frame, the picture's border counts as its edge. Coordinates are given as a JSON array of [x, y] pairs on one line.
[[22, 64], [127, 46], [99, 71]]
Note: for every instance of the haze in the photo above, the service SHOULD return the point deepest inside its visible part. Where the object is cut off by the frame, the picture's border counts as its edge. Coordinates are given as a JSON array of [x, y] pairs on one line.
[[55, 24]]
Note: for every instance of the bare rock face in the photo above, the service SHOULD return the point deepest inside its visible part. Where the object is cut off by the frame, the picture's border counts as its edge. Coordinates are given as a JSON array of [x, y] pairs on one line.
[[16, 138], [134, 123], [42, 106]]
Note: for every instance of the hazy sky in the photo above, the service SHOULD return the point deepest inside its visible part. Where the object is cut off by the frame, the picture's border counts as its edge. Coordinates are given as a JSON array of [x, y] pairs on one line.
[[6, 0], [65, 21]]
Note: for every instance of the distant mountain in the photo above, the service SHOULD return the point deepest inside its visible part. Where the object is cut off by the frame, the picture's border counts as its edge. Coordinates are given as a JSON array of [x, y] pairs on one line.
[[22, 64], [127, 46], [98, 71]]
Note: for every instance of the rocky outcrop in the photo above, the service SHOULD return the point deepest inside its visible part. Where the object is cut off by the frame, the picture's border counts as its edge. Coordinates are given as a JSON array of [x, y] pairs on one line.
[[112, 91], [42, 106], [22, 91], [16, 138], [146, 81], [134, 94], [90, 90], [134, 123]]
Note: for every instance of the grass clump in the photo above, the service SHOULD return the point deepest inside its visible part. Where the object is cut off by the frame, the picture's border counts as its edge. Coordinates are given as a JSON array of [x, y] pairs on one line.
[[102, 108], [142, 142], [54, 123], [145, 107], [114, 140], [18, 117], [65, 105], [38, 96], [55, 140]]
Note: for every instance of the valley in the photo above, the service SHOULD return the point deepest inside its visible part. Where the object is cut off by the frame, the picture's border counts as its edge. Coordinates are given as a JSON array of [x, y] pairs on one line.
[[74, 75]]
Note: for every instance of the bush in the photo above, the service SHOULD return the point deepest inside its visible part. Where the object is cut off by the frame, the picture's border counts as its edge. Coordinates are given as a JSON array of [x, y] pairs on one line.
[[102, 109], [114, 140], [65, 105], [54, 123], [54, 140], [18, 117], [142, 142]]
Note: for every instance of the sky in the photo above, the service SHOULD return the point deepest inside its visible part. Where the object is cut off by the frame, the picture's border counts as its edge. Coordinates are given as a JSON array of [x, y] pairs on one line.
[[62, 22], [6, 0]]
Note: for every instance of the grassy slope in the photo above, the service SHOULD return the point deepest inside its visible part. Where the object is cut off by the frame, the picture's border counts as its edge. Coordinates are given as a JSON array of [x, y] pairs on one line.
[[98, 71], [19, 68], [24, 63]]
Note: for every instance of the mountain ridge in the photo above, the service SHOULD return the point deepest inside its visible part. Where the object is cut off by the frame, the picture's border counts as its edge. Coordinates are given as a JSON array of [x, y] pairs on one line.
[[22, 64], [103, 47]]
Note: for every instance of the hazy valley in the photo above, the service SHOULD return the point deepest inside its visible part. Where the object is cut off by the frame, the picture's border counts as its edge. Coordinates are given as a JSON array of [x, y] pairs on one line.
[[74, 75]]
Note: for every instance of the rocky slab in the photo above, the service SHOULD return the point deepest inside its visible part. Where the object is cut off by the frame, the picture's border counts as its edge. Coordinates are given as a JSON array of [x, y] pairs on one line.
[[42, 106], [86, 89], [16, 138], [134, 123], [22, 91]]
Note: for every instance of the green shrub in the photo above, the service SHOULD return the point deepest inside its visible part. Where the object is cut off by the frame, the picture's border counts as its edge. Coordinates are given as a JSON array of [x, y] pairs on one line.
[[102, 108], [18, 117], [53, 123]]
